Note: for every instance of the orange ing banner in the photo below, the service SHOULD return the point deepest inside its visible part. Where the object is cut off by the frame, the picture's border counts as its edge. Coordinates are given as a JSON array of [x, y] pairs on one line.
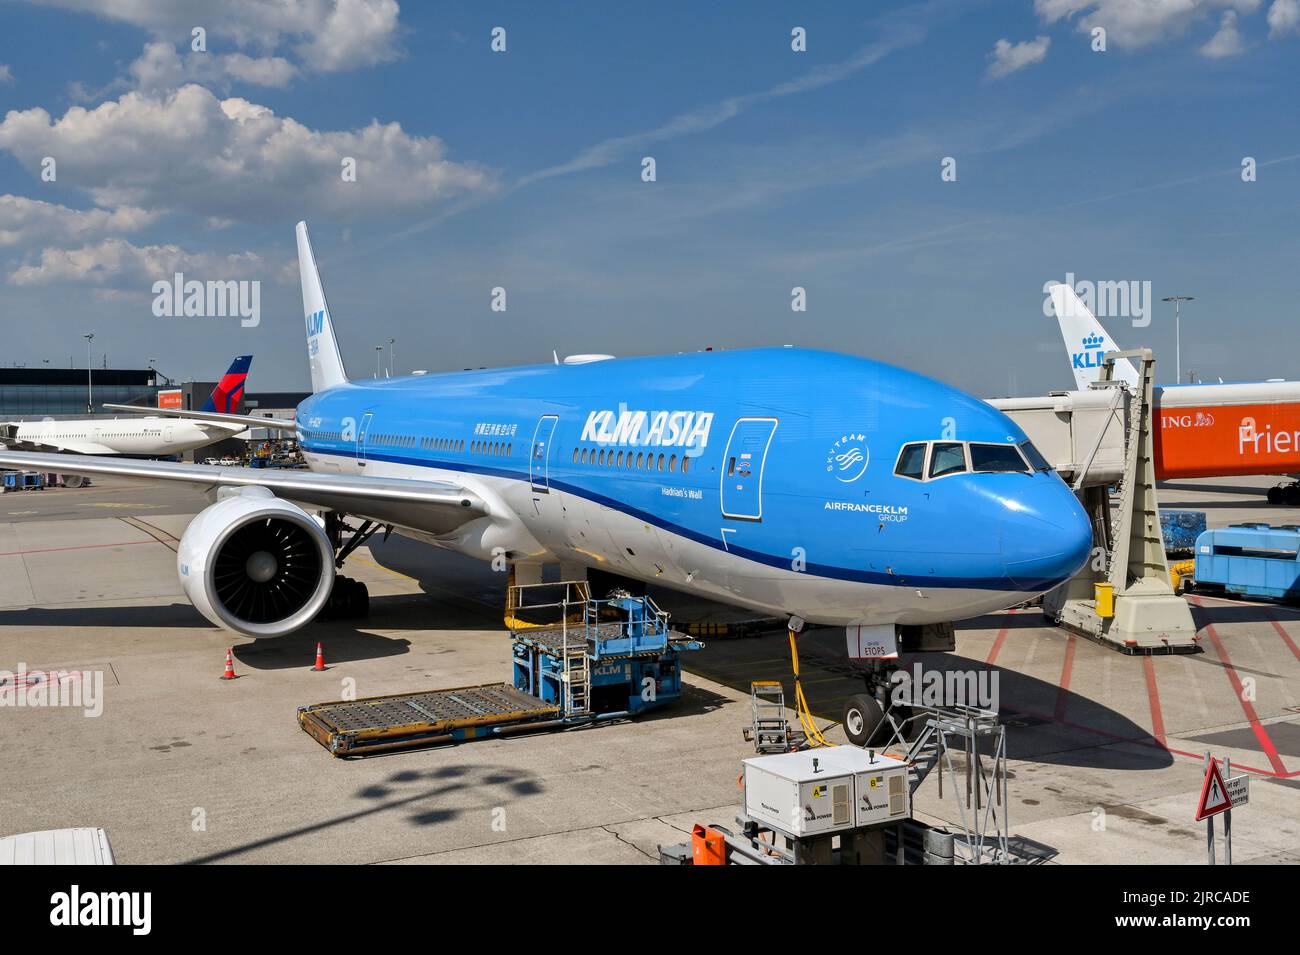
[[169, 399], [1228, 440]]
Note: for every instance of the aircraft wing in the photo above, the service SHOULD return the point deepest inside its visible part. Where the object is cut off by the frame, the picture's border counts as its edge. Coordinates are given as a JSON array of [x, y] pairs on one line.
[[243, 420], [434, 506]]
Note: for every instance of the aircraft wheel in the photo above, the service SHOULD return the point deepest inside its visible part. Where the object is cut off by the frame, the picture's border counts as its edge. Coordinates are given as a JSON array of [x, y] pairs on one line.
[[1274, 495], [358, 600], [1291, 495], [863, 717]]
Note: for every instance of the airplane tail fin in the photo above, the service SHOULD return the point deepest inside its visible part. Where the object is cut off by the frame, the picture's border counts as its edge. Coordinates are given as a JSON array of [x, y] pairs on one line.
[[322, 349], [1086, 342], [229, 393]]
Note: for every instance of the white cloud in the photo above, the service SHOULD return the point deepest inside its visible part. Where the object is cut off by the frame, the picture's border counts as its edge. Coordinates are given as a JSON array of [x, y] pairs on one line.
[[1227, 42], [6, 74], [1283, 17], [328, 35], [29, 221], [1132, 24], [235, 159], [161, 68], [1008, 57], [118, 263]]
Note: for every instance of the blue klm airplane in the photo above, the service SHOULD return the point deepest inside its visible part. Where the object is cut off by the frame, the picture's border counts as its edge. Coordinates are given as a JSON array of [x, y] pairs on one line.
[[829, 488]]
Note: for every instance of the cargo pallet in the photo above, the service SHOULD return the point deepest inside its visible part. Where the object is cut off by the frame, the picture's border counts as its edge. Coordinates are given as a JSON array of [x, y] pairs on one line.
[[585, 670]]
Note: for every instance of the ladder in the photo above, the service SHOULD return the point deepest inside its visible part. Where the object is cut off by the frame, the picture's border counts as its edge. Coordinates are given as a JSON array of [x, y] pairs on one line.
[[575, 675], [769, 729]]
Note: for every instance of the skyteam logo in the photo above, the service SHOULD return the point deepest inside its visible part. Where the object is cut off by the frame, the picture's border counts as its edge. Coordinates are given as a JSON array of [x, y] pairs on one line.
[[1094, 349], [848, 458]]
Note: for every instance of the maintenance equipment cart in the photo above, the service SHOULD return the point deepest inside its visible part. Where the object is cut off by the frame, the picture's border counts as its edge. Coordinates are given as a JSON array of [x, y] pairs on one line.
[[1254, 560], [602, 660]]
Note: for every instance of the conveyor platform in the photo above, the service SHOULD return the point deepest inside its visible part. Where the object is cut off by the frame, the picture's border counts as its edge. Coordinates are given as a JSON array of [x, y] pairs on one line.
[[425, 718], [586, 668]]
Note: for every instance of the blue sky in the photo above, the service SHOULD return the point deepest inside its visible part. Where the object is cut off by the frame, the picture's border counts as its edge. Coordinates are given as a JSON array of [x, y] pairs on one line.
[[775, 169]]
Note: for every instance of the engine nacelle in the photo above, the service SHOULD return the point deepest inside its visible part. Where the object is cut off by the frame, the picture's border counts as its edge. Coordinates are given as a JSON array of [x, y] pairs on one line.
[[255, 564]]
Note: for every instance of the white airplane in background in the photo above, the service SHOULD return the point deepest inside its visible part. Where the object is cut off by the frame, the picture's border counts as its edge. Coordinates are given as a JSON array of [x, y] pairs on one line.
[[143, 437]]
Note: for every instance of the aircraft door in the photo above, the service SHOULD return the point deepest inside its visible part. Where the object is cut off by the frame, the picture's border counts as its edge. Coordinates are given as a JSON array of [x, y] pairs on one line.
[[742, 468], [167, 434], [540, 457], [362, 430]]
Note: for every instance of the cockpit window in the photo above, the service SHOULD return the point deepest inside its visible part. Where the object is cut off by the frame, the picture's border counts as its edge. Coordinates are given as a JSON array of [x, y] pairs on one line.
[[911, 462], [1035, 457], [996, 457], [948, 457]]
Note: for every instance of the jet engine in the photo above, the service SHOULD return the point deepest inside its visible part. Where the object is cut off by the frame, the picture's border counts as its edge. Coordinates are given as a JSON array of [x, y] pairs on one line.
[[255, 564]]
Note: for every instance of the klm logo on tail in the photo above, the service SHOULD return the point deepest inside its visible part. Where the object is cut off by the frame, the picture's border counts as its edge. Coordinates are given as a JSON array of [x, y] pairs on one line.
[[1091, 356], [315, 325]]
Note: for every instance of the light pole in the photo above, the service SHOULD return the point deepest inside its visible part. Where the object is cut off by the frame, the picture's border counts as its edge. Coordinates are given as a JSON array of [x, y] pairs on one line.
[[90, 394], [379, 351], [1178, 332], [390, 357]]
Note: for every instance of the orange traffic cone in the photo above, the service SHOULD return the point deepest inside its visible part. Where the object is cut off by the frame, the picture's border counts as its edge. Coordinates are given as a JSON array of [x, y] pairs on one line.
[[230, 666], [320, 659]]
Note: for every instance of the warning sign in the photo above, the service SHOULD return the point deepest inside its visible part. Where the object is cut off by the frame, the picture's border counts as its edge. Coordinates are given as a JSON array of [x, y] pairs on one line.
[[1214, 794]]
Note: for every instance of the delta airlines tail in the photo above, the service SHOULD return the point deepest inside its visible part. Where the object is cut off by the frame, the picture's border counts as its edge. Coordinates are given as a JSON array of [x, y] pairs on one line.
[[322, 349], [1086, 342], [229, 393]]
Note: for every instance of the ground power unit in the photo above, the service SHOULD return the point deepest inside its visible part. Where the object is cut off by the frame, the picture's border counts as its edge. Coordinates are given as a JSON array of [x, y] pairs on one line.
[[826, 790]]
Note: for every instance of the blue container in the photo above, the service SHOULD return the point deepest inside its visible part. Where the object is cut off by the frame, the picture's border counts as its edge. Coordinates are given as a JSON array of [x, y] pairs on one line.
[[1180, 529], [1256, 560]]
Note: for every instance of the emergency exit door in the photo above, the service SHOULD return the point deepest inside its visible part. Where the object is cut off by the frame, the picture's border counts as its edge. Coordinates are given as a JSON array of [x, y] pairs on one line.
[[742, 468]]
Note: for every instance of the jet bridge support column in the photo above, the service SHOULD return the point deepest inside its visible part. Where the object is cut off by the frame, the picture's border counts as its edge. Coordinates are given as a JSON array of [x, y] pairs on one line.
[[1146, 616]]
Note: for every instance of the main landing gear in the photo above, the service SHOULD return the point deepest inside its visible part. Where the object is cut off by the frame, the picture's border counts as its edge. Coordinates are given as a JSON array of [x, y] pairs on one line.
[[349, 599]]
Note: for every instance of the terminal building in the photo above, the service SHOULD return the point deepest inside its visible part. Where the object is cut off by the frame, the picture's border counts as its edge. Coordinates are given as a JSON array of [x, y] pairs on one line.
[[27, 393]]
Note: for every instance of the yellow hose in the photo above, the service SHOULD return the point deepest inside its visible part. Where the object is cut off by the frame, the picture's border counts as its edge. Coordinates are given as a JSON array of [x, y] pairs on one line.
[[1180, 570], [801, 707]]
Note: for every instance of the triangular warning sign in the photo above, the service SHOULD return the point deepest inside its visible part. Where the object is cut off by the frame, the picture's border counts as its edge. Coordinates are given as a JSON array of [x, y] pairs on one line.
[[1214, 795]]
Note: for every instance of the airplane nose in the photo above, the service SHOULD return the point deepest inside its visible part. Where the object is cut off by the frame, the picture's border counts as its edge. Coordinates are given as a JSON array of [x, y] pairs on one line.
[[1046, 536]]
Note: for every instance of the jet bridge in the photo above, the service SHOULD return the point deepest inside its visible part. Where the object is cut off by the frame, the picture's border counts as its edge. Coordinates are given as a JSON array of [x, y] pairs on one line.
[[1101, 442]]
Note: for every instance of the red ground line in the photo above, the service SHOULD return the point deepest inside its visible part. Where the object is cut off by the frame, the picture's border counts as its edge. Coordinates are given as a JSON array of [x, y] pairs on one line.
[[997, 643], [1285, 636], [51, 550], [1063, 686], [1265, 743], [1153, 696]]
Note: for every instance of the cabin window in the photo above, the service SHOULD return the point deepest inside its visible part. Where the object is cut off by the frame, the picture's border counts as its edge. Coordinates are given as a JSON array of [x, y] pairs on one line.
[[640, 458], [911, 461], [731, 467], [672, 463], [660, 465], [686, 464], [948, 457], [620, 459], [996, 457]]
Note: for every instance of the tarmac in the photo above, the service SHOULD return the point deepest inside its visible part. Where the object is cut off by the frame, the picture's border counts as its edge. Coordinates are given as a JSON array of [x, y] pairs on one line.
[[1104, 750]]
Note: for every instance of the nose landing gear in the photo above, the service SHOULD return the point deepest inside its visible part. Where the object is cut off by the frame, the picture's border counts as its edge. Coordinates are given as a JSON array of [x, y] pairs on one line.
[[864, 719]]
